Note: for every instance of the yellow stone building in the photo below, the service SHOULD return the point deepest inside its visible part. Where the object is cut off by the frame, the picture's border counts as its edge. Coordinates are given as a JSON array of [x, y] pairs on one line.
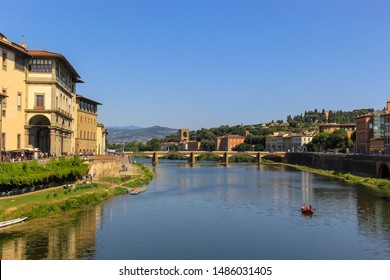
[[39, 105], [101, 136], [13, 94], [87, 125]]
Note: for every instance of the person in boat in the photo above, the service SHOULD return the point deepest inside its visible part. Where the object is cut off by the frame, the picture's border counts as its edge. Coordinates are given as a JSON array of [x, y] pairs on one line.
[[303, 207], [311, 208]]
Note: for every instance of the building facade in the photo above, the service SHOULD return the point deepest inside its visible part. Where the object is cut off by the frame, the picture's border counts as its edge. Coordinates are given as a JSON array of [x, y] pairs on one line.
[[227, 142], [299, 142], [364, 132], [332, 127], [387, 133], [13, 95], [386, 125], [51, 88], [184, 135], [193, 145], [101, 139], [38, 101], [275, 142], [86, 130]]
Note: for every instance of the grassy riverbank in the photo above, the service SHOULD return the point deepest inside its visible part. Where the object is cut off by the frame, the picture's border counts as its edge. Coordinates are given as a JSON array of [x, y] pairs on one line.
[[60, 199], [382, 185]]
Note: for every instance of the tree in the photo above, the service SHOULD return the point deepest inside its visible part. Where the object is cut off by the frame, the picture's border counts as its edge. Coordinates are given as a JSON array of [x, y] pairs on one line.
[[325, 141], [318, 142], [338, 140], [205, 134], [171, 138], [243, 147], [154, 144], [207, 145], [258, 147]]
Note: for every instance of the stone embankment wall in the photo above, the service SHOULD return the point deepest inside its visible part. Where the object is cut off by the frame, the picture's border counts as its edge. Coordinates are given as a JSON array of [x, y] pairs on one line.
[[107, 166], [366, 166]]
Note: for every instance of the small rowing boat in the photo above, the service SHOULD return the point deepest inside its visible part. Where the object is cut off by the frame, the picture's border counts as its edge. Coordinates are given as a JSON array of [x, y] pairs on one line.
[[11, 222], [307, 211]]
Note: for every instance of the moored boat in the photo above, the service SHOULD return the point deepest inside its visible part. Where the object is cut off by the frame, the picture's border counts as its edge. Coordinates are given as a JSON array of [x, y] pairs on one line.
[[11, 222]]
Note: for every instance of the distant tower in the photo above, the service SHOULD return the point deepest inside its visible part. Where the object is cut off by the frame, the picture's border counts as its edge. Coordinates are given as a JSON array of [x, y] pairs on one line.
[[327, 116], [184, 135]]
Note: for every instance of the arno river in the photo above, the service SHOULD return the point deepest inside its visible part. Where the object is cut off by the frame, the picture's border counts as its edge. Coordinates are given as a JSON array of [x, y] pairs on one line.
[[210, 211]]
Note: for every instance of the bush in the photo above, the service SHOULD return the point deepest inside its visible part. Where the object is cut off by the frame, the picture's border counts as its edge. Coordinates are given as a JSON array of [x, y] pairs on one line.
[[28, 174]]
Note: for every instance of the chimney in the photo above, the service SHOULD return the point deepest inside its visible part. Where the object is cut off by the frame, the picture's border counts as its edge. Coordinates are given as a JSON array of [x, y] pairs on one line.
[[23, 44], [388, 106]]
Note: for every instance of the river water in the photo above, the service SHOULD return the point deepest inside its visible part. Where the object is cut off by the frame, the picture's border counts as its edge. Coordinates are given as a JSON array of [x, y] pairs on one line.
[[210, 211]]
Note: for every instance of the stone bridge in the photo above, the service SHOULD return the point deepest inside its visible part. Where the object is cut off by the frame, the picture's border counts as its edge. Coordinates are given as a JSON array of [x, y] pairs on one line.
[[192, 155]]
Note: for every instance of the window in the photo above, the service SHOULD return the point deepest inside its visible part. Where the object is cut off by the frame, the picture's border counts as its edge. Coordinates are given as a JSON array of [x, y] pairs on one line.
[[4, 60], [3, 141], [4, 113], [4, 93], [19, 101], [39, 65], [18, 139], [39, 102], [19, 62], [63, 77]]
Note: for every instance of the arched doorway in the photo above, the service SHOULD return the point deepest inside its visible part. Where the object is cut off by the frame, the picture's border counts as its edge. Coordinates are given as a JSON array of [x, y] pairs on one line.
[[39, 133], [384, 171]]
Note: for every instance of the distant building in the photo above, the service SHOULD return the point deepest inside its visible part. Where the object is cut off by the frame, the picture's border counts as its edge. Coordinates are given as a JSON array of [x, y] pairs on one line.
[[193, 145], [169, 146], [227, 142], [364, 132], [86, 129], [377, 145], [287, 142], [184, 135], [378, 122], [182, 146], [291, 142], [299, 142], [386, 124], [101, 139], [332, 127], [275, 142]]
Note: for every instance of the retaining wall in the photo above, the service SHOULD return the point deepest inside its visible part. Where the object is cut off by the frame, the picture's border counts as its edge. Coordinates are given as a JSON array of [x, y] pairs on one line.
[[366, 166]]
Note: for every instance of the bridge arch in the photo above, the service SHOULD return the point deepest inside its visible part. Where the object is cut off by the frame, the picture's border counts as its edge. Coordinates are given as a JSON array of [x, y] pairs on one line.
[[274, 157], [384, 171]]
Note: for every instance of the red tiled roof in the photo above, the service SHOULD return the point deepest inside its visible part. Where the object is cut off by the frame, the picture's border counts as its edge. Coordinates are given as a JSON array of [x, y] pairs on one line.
[[82, 97], [61, 57]]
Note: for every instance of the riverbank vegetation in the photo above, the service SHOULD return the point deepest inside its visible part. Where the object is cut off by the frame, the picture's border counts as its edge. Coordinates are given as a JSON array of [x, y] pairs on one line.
[[59, 199], [31, 175], [379, 184]]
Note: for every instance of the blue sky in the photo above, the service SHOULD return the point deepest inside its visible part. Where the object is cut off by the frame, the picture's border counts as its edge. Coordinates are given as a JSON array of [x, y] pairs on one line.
[[205, 63]]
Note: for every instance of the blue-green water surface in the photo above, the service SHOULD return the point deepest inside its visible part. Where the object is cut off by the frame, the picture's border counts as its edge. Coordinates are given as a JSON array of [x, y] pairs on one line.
[[211, 211]]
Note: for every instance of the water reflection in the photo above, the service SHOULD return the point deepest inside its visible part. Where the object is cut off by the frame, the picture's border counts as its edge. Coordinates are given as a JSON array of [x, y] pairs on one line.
[[71, 238], [373, 216]]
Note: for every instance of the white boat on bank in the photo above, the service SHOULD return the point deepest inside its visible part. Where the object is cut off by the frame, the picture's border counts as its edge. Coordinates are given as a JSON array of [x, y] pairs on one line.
[[11, 222]]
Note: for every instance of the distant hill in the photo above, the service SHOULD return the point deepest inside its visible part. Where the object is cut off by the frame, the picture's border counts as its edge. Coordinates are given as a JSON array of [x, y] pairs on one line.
[[130, 127], [121, 134]]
